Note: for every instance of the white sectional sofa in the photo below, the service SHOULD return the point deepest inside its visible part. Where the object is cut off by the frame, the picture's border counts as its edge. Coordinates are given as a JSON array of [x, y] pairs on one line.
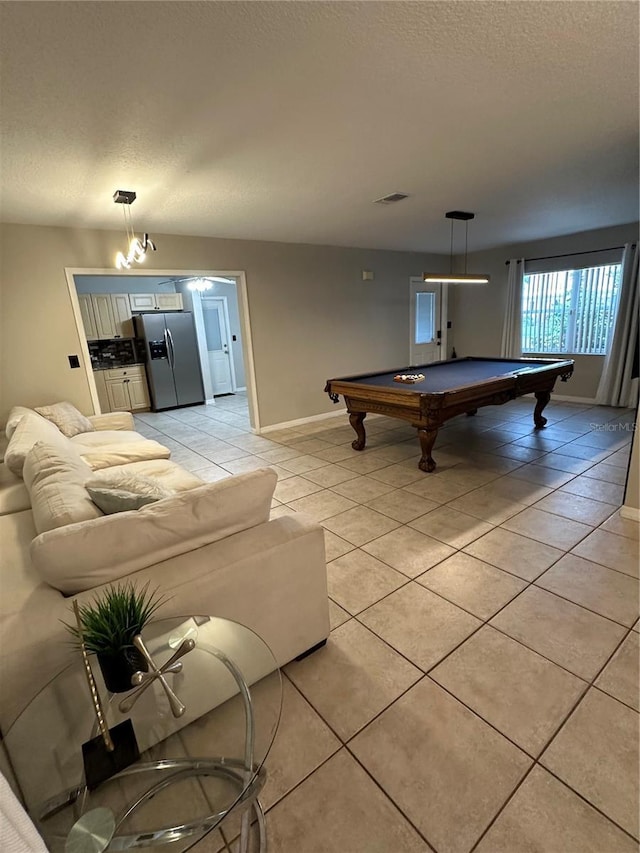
[[210, 548]]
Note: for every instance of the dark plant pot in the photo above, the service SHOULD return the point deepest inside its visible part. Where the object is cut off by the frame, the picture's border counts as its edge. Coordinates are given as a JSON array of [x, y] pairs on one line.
[[117, 669]]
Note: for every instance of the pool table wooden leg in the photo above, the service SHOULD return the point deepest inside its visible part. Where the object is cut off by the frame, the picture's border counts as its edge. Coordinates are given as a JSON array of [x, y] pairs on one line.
[[542, 398], [427, 439], [356, 419]]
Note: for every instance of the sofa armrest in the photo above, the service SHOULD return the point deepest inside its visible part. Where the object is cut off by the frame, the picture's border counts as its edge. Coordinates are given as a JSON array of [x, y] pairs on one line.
[[113, 420]]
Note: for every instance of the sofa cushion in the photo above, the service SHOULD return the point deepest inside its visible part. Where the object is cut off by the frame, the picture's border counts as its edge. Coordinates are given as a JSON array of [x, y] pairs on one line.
[[118, 500], [165, 472], [113, 421], [30, 429], [89, 441], [14, 496], [110, 455], [69, 420], [56, 481], [128, 481], [83, 556], [15, 416]]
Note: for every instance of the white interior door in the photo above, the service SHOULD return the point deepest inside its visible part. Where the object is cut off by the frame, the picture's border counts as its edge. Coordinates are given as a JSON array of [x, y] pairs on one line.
[[427, 341], [217, 335]]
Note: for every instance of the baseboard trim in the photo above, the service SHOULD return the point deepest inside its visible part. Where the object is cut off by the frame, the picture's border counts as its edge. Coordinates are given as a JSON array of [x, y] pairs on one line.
[[630, 512], [565, 398], [300, 421]]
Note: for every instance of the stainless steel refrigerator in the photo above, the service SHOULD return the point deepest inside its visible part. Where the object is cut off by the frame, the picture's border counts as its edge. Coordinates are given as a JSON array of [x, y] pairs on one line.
[[173, 363]]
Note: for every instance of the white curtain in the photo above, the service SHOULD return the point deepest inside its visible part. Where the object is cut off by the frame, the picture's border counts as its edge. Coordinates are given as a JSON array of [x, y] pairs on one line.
[[616, 387], [512, 326]]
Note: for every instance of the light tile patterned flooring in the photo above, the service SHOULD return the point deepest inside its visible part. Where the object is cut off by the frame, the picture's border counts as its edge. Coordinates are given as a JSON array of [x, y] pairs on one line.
[[479, 691]]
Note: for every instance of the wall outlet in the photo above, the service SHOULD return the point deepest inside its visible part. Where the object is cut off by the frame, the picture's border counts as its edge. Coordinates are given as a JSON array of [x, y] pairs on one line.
[[74, 361]]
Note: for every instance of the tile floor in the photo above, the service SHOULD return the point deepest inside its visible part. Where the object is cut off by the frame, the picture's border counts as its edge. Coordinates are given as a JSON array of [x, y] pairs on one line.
[[479, 691]]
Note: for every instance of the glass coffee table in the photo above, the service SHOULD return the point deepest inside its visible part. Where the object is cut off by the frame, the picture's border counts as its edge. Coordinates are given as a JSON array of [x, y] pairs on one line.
[[194, 771]]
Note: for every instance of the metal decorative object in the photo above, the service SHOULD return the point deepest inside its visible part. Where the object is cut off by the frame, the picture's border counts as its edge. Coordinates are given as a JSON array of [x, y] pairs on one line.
[[95, 698], [145, 679]]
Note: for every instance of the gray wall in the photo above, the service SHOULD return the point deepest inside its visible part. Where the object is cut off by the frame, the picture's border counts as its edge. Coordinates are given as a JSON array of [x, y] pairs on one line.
[[477, 312], [122, 284], [312, 316]]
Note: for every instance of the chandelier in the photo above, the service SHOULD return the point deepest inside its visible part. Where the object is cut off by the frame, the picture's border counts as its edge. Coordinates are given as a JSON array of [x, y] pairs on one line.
[[137, 248]]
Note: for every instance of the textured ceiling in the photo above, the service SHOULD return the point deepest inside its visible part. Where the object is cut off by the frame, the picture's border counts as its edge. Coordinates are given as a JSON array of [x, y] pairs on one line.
[[285, 120]]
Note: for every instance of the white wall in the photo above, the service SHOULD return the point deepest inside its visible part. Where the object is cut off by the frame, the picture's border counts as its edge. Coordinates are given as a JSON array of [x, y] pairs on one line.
[[477, 312], [312, 316]]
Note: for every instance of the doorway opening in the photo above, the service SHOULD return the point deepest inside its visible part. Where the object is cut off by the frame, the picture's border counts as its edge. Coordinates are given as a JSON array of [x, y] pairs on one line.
[[218, 337], [228, 294], [428, 322]]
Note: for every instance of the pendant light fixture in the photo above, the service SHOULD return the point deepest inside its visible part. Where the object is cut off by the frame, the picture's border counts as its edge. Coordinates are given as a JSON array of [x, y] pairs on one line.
[[457, 278], [137, 249]]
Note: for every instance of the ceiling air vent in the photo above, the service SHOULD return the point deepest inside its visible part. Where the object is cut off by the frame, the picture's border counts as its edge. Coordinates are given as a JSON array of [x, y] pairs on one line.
[[391, 199]]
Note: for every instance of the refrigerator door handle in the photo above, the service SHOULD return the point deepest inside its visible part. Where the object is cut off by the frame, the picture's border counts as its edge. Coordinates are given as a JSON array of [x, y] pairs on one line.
[[167, 347], [171, 350]]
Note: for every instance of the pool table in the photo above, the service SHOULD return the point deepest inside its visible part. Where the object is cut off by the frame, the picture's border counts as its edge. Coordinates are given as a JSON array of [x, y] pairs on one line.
[[449, 388]]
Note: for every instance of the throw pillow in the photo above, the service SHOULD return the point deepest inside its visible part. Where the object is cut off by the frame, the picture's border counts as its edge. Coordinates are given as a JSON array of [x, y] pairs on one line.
[[55, 478], [67, 418], [136, 484], [118, 500], [30, 429]]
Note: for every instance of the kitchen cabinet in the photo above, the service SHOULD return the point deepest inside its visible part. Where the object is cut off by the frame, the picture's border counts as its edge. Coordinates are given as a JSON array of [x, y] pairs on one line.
[[106, 315], [88, 317], [123, 321], [155, 301], [169, 301], [125, 388], [101, 387], [103, 313], [138, 393], [142, 301]]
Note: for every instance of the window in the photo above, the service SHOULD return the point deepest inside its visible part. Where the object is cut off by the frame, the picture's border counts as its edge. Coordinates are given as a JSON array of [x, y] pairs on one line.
[[425, 317], [570, 311]]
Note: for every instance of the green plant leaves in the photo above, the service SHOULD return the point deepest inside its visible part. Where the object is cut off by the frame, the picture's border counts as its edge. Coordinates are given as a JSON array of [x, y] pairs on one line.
[[112, 620]]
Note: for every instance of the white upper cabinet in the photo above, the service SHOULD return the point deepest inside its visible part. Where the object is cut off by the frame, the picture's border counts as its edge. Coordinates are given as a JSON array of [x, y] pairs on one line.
[[155, 301], [142, 301], [88, 317], [169, 301], [122, 315], [103, 313], [106, 315]]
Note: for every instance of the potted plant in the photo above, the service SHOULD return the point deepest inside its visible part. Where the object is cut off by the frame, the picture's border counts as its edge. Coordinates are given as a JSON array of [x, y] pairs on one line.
[[109, 625]]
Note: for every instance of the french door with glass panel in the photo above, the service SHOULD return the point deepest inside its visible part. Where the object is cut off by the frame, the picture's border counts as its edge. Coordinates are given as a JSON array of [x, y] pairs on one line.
[[217, 335], [427, 340]]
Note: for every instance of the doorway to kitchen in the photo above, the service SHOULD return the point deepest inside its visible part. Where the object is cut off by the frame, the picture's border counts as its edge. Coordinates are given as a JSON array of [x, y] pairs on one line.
[[215, 312], [230, 303]]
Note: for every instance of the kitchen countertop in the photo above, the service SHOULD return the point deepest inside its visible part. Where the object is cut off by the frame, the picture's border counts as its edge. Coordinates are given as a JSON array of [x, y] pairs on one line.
[[118, 366]]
